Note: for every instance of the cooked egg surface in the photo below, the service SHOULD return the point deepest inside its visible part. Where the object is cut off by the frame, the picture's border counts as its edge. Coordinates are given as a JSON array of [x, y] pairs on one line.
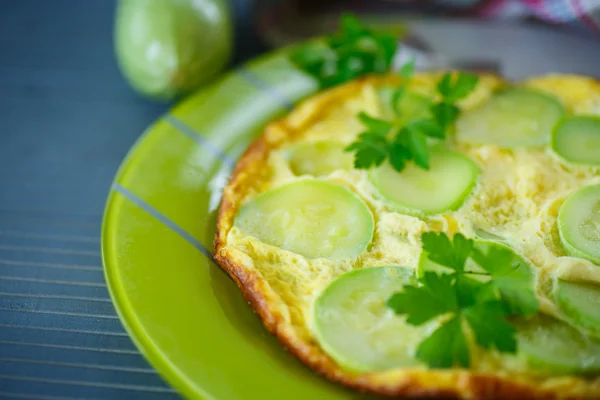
[[517, 197]]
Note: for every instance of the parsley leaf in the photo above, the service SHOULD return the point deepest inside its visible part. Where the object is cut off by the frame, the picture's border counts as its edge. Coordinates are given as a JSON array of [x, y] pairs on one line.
[[314, 58], [350, 52], [452, 88], [371, 149], [511, 275], [458, 299], [488, 322], [372, 146], [399, 154], [471, 291], [374, 125], [455, 87], [435, 296], [410, 141], [445, 114], [445, 347], [416, 144], [407, 70], [429, 128], [452, 254], [397, 94], [351, 27]]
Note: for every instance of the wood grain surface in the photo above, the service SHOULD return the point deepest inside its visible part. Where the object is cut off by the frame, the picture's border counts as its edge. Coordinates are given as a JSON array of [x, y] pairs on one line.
[[67, 119]]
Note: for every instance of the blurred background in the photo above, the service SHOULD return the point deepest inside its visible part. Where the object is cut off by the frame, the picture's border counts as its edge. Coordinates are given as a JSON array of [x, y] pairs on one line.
[[80, 80]]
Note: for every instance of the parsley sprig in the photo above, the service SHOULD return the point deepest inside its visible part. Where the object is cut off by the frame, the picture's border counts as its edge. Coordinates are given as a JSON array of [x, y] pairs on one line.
[[351, 52], [466, 306], [399, 141]]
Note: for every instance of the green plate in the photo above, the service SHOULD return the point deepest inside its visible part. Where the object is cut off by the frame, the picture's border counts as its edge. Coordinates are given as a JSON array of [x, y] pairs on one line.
[[183, 312]]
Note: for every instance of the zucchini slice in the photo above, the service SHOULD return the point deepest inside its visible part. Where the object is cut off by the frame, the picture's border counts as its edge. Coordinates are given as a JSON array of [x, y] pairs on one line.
[[318, 158], [577, 140], [313, 218], [355, 327], [579, 223], [518, 117], [449, 180], [580, 303], [554, 346]]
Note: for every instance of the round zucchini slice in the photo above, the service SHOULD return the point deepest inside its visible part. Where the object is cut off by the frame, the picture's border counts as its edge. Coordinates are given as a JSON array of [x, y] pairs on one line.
[[580, 303], [577, 140], [579, 223], [318, 158], [313, 218], [485, 235], [450, 178], [518, 117], [554, 346], [353, 324]]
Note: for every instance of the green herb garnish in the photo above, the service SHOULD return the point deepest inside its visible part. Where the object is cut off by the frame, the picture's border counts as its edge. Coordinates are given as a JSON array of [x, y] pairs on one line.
[[351, 52], [461, 301], [451, 90], [399, 141]]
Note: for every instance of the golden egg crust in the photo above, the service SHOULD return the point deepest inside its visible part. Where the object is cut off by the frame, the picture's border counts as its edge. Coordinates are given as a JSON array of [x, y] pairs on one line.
[[252, 174]]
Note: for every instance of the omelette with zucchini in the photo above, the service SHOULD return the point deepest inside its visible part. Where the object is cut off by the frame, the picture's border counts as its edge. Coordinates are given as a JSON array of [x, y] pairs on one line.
[[428, 234]]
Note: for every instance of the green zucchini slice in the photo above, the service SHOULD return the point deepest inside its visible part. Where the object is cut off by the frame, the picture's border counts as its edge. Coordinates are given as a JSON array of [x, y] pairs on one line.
[[313, 218]]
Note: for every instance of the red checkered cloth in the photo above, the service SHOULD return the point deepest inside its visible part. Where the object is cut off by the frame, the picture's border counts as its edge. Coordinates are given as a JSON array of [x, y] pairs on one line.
[[578, 13]]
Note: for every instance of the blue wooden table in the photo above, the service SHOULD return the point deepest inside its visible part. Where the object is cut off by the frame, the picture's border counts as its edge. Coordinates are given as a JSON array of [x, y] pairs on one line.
[[67, 119]]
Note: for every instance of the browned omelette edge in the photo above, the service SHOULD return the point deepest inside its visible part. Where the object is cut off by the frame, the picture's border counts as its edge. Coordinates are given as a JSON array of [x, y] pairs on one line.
[[416, 383]]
